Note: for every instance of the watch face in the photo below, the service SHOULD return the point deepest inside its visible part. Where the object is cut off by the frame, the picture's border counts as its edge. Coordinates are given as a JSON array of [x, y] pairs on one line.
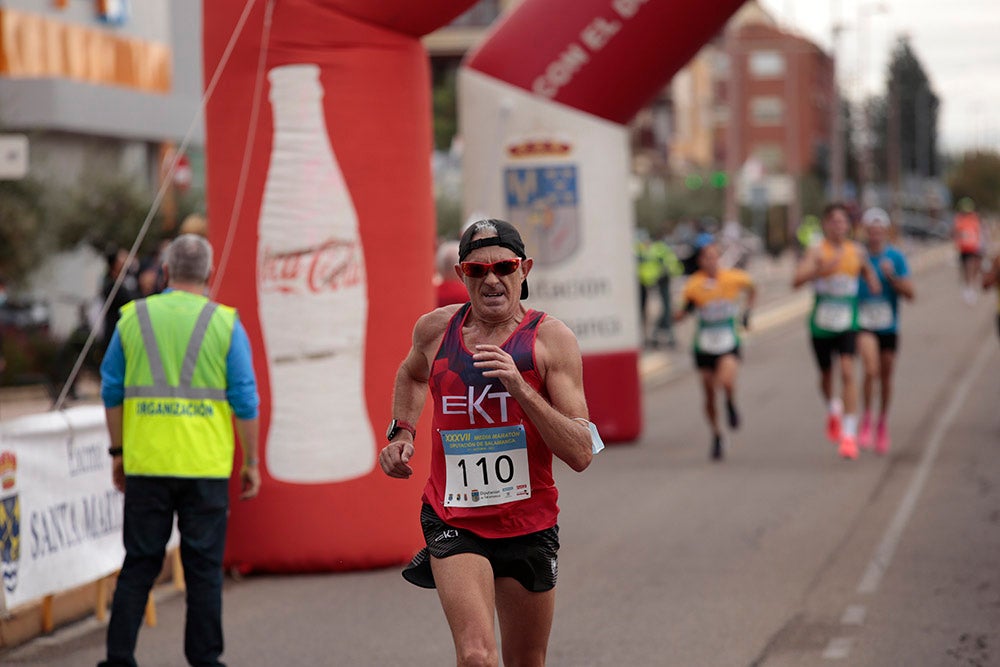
[[391, 431]]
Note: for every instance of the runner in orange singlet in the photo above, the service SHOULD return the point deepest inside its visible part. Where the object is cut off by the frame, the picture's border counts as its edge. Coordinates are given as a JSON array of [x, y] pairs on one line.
[[714, 294], [833, 267], [968, 234]]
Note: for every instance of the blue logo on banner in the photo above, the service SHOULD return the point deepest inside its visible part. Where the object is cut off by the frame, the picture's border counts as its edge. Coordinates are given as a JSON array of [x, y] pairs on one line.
[[10, 540], [543, 203]]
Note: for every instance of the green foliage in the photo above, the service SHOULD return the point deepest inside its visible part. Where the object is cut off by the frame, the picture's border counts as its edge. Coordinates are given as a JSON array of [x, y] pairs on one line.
[[445, 104], [977, 175], [106, 212], [915, 107], [22, 229], [449, 217], [660, 207]]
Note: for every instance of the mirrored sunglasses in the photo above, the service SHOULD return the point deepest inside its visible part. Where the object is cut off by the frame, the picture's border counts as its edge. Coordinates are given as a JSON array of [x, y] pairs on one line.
[[504, 267]]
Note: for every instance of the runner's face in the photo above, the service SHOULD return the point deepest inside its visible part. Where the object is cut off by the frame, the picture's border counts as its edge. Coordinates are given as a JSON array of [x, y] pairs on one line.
[[493, 294], [876, 236], [708, 259], [836, 225]]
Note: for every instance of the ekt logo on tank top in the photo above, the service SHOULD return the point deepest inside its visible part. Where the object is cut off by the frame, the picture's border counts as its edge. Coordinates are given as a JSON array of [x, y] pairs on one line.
[[327, 267], [473, 404]]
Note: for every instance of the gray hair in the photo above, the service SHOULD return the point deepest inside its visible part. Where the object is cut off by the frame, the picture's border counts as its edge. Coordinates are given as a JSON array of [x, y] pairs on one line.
[[189, 259], [447, 258]]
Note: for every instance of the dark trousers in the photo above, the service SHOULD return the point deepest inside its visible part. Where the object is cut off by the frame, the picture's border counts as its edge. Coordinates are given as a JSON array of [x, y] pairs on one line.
[[666, 321], [202, 507]]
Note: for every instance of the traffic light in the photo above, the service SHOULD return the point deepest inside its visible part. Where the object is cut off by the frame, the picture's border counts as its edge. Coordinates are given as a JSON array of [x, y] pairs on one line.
[[718, 179], [693, 182]]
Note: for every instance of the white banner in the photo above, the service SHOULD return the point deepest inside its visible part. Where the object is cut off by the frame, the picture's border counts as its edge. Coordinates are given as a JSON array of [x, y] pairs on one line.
[[60, 515], [561, 177]]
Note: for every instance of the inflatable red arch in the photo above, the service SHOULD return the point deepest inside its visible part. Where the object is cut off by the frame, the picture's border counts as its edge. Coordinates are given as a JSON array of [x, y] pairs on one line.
[[322, 217]]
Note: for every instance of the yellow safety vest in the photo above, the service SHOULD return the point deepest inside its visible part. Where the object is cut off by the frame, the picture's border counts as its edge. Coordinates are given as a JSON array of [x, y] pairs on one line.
[[177, 421]]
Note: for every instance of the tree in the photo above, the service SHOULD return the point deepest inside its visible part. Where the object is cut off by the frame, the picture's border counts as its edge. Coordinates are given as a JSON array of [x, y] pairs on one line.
[[445, 107], [106, 212], [977, 175], [910, 110], [22, 226]]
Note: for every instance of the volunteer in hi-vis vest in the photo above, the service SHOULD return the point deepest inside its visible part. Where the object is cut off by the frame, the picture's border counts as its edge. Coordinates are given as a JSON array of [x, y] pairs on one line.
[[834, 267], [506, 383], [178, 367], [716, 296]]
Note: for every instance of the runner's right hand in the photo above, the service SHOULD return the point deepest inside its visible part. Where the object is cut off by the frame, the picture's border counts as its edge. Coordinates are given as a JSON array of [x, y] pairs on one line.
[[394, 458]]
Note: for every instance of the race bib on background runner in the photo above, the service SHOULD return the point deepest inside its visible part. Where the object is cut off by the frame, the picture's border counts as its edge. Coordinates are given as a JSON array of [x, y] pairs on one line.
[[834, 315], [718, 339], [875, 315], [486, 466]]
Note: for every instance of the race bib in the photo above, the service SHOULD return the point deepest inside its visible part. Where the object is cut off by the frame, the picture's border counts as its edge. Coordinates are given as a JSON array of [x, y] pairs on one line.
[[875, 315], [717, 339], [486, 466], [834, 315]]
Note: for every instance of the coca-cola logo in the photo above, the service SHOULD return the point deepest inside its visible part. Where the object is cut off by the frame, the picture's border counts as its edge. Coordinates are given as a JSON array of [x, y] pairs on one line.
[[330, 266]]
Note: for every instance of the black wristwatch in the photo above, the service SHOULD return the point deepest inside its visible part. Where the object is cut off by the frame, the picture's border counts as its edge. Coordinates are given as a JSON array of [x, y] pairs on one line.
[[397, 425], [115, 451]]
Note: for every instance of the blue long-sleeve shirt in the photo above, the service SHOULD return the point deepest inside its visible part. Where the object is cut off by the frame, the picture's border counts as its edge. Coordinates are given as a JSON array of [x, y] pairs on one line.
[[241, 384]]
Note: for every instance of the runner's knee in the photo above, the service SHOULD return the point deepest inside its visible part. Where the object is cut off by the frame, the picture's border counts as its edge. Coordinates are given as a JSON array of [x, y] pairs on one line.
[[477, 655]]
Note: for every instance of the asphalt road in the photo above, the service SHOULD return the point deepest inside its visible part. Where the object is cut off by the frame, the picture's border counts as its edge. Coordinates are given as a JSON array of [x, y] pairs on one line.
[[781, 555]]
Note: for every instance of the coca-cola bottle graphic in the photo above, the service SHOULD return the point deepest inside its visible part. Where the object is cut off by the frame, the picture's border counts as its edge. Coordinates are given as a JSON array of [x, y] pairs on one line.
[[311, 295]]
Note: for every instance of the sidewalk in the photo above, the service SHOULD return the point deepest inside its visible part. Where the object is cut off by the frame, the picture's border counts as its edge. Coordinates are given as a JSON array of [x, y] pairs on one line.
[[34, 399]]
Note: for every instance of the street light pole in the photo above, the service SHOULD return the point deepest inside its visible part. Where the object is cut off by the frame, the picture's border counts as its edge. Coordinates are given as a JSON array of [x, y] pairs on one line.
[[836, 121], [867, 170]]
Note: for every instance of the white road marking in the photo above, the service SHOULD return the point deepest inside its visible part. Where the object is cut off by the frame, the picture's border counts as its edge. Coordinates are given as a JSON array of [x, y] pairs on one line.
[[838, 648], [854, 615], [890, 540]]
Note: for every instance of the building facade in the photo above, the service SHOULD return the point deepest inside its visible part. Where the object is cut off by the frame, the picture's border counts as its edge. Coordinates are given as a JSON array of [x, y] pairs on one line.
[[100, 85]]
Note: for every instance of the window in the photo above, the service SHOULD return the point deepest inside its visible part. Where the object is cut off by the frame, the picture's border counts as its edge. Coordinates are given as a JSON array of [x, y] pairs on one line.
[[767, 110], [767, 64], [771, 156], [720, 114], [720, 64]]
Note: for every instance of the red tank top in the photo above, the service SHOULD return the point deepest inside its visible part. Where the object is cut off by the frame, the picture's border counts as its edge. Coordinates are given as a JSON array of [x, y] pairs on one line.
[[491, 473], [967, 229]]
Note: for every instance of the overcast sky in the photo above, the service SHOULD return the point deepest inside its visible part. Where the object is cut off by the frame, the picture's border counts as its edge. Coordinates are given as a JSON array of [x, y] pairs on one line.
[[958, 43]]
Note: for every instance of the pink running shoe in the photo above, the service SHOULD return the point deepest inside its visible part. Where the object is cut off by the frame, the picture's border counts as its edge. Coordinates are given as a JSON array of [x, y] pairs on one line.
[[833, 427], [848, 447], [882, 439], [865, 434]]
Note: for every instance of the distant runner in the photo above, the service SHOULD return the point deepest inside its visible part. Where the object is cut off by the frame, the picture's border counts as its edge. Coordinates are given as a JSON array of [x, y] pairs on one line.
[[834, 266], [878, 320], [968, 235], [714, 294]]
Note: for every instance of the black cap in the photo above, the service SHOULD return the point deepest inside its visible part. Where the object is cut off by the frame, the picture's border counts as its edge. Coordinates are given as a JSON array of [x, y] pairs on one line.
[[507, 236]]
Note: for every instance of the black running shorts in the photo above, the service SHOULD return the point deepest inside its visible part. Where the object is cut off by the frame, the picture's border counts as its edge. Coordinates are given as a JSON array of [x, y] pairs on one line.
[[824, 348], [887, 342], [530, 559], [707, 361]]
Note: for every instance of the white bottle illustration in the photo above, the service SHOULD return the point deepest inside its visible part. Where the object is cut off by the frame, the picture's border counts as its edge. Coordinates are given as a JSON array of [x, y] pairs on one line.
[[312, 296]]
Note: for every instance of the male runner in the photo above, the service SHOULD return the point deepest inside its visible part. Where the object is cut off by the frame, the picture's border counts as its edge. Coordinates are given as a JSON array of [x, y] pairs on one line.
[[507, 388], [878, 322], [968, 236], [833, 267], [715, 295]]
